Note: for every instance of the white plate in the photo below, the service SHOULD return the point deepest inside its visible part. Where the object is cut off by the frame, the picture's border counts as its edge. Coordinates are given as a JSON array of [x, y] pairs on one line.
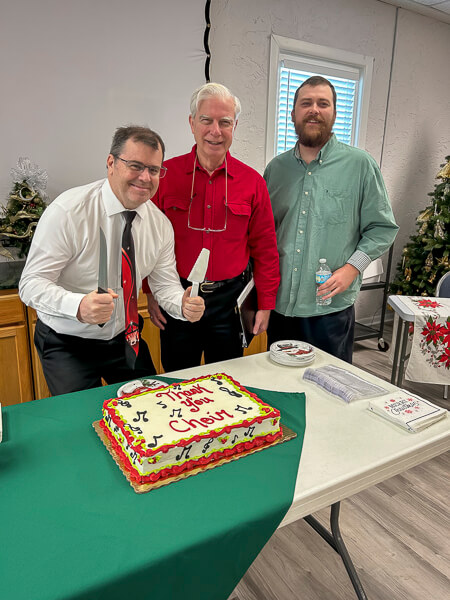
[[290, 363], [132, 386]]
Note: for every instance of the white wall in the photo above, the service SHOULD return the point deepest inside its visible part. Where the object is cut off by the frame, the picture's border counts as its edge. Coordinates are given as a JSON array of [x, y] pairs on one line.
[[417, 133], [73, 71], [418, 125]]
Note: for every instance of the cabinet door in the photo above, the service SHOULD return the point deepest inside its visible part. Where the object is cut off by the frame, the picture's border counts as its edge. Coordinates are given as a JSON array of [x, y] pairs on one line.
[[150, 333], [15, 373], [258, 344], [40, 385]]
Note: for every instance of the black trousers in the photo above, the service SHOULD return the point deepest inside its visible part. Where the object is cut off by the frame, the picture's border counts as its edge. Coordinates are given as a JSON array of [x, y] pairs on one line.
[[216, 334], [72, 363], [332, 333]]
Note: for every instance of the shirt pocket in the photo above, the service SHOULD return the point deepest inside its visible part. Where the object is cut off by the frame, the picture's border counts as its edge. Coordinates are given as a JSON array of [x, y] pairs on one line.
[[239, 214], [175, 203], [176, 209], [332, 206]]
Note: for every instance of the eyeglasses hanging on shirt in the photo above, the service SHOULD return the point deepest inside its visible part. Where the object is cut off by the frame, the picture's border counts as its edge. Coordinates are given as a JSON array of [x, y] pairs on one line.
[[208, 229]]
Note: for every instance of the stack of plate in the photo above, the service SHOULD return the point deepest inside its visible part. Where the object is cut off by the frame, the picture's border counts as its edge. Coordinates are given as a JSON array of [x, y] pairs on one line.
[[292, 353]]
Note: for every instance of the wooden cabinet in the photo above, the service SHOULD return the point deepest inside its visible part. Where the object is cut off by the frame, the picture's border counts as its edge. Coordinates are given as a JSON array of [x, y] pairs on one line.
[[16, 383], [150, 333]]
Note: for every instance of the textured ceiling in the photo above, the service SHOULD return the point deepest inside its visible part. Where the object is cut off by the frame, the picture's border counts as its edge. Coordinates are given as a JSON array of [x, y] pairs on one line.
[[438, 9]]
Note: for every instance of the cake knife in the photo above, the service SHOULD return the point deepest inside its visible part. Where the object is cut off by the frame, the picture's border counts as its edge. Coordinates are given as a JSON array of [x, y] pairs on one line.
[[102, 267], [197, 275]]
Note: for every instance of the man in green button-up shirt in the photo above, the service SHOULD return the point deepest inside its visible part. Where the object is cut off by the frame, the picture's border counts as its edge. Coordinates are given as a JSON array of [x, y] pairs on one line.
[[329, 201]]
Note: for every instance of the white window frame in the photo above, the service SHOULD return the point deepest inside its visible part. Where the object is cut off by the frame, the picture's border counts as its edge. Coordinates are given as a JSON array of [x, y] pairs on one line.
[[303, 52]]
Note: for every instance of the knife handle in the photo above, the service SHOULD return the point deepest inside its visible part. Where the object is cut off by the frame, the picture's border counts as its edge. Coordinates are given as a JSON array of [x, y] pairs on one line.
[[194, 290], [101, 291]]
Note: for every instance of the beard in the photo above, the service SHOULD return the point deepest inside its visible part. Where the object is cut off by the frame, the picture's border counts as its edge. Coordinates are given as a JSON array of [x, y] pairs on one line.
[[319, 136]]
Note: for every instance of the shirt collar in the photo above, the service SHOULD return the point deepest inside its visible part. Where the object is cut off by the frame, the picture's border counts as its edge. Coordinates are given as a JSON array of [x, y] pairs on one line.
[[324, 152], [231, 162], [112, 204]]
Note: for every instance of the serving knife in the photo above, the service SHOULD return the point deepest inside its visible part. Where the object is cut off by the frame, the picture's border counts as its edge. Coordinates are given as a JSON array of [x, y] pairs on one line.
[[197, 275], [102, 267]]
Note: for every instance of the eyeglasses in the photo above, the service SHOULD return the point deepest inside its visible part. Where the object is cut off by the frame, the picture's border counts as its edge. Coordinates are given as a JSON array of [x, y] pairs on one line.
[[192, 197], [139, 167]]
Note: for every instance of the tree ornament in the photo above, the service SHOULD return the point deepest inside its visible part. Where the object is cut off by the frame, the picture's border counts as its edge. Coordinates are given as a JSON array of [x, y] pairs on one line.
[[408, 274], [432, 277], [423, 228], [439, 230], [429, 262], [425, 215], [444, 173]]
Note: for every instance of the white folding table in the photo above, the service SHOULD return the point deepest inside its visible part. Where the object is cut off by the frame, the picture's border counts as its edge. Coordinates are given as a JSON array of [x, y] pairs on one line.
[[346, 449]]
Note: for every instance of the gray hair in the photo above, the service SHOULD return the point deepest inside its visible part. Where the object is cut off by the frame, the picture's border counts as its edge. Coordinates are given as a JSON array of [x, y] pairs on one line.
[[211, 90]]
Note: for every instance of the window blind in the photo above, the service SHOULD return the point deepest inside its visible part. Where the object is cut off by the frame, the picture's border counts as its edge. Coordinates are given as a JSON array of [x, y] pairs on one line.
[[346, 91]]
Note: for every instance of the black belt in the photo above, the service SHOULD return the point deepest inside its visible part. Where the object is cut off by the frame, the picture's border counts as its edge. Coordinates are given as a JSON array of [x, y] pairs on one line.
[[207, 287]]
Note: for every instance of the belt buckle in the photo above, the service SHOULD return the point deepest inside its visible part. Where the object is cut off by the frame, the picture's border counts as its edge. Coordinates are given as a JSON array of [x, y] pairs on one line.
[[204, 286]]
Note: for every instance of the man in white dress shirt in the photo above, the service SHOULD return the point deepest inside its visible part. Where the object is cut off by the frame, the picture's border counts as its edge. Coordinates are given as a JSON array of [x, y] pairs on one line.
[[60, 279]]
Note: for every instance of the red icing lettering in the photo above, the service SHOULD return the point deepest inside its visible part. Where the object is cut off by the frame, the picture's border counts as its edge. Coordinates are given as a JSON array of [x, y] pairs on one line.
[[175, 429]]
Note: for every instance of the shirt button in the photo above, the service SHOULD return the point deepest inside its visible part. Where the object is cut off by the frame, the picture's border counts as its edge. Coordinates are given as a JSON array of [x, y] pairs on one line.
[[309, 173], [210, 181], [306, 193], [209, 206], [320, 162], [298, 250], [303, 212], [301, 231], [295, 269]]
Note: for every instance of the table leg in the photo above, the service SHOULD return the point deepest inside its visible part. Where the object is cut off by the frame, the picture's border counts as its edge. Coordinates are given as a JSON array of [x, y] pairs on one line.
[[398, 336], [334, 539], [401, 365]]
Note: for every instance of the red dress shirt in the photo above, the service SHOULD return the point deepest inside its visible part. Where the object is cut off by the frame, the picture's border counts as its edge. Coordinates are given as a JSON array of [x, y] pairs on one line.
[[250, 230]]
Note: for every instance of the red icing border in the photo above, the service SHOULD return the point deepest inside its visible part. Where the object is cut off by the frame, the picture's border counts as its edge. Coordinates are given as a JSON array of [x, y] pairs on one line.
[[274, 413], [188, 465]]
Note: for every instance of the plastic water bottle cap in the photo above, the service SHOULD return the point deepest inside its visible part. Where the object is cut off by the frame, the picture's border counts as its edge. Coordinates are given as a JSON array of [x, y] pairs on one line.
[[322, 260]]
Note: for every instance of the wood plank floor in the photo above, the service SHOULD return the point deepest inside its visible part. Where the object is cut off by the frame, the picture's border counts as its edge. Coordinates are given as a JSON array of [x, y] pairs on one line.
[[397, 532]]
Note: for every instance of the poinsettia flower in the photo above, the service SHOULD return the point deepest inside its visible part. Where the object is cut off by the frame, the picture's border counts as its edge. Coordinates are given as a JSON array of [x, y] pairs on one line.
[[432, 331], [427, 303], [445, 358], [446, 333]]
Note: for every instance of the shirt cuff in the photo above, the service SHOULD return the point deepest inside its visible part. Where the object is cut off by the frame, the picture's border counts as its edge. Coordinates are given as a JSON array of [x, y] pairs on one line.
[[359, 260]]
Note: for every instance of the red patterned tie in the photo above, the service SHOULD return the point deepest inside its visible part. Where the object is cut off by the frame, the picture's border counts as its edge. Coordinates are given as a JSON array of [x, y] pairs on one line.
[[129, 291]]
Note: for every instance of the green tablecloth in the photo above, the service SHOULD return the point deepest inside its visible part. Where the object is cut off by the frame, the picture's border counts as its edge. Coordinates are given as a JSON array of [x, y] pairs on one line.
[[72, 527]]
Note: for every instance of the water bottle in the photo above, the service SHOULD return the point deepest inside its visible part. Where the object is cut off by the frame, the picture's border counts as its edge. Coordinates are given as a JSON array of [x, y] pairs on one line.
[[322, 274]]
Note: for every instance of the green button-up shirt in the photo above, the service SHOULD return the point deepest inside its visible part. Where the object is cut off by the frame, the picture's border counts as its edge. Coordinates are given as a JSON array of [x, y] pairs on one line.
[[336, 207]]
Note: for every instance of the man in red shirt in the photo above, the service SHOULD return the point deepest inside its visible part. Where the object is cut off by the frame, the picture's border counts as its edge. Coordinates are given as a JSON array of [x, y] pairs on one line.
[[216, 202]]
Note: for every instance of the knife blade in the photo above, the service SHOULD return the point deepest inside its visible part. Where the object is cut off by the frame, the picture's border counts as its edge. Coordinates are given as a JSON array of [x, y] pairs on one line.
[[198, 272], [102, 267]]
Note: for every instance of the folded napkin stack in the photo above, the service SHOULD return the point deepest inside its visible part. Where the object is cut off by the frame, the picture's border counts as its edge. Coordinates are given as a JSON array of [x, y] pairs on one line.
[[407, 410]]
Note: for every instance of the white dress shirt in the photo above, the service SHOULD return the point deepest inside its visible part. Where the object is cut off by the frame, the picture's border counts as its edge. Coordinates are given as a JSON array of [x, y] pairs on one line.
[[63, 262]]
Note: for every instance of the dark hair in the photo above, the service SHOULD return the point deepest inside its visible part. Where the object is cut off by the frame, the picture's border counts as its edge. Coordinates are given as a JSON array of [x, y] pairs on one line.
[[313, 81], [136, 134]]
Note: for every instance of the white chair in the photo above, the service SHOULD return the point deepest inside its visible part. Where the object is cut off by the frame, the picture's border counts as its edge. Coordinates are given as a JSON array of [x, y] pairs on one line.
[[443, 286]]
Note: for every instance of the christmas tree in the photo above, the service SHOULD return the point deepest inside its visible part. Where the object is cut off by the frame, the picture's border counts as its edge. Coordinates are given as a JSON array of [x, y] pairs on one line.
[[25, 205], [425, 259]]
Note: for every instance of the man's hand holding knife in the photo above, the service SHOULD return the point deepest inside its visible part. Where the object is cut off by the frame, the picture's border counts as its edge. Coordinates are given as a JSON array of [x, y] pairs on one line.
[[96, 308]]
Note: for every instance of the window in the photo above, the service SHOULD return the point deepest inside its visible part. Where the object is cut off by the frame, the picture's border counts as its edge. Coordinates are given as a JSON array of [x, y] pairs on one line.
[[291, 63]]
